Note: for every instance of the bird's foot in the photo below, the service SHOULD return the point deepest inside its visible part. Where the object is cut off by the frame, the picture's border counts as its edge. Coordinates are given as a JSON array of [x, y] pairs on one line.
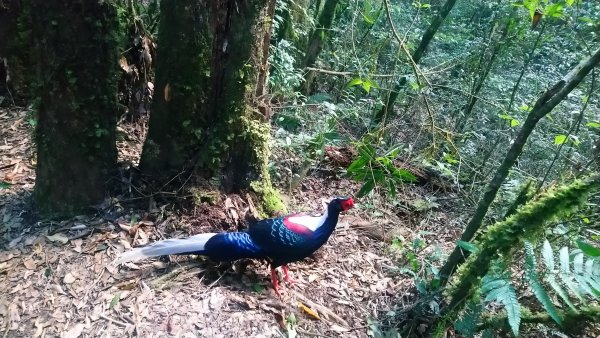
[[287, 276], [275, 282]]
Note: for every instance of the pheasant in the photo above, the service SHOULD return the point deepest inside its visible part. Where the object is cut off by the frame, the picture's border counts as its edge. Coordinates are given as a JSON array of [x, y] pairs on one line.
[[280, 241]]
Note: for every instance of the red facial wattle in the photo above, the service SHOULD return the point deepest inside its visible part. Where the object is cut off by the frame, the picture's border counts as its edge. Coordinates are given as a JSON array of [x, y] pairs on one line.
[[347, 204]]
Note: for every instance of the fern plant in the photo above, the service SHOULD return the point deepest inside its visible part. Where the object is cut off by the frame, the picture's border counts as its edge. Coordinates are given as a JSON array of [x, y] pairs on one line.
[[572, 275], [576, 277]]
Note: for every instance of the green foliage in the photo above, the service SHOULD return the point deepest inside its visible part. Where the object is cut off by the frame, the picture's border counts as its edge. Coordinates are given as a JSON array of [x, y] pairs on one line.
[[497, 287], [536, 284], [284, 78], [498, 246], [378, 169]]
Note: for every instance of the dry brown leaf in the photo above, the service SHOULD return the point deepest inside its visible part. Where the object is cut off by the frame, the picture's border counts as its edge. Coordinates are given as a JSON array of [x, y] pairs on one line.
[[58, 237], [29, 264], [75, 331], [69, 278], [312, 313], [6, 256], [77, 244], [146, 223]]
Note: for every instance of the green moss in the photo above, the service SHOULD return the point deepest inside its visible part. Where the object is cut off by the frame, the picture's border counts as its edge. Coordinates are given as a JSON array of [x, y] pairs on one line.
[[271, 201]]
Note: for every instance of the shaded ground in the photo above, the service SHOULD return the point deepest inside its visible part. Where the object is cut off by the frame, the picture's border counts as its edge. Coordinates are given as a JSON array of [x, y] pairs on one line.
[[56, 280]]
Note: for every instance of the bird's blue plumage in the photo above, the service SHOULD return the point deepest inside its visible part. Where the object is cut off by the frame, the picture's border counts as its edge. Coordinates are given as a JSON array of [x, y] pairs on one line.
[[230, 246]]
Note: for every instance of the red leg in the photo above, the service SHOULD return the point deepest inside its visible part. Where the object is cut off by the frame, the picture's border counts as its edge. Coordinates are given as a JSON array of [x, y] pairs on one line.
[[275, 282], [287, 275]]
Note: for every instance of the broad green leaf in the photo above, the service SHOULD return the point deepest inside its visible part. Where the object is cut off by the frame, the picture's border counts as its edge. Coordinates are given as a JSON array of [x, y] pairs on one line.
[[514, 123], [366, 188], [588, 249], [354, 82], [560, 139], [593, 124], [548, 256], [5, 185]]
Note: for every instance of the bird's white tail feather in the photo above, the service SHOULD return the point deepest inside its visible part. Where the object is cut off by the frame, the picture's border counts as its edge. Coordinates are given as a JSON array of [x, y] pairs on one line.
[[166, 247]]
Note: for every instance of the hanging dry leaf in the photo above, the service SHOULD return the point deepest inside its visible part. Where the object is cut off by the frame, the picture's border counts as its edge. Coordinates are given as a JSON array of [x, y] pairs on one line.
[[167, 92], [58, 238], [309, 311]]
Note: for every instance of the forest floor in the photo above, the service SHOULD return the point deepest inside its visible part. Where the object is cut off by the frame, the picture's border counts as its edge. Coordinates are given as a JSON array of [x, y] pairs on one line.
[[56, 279]]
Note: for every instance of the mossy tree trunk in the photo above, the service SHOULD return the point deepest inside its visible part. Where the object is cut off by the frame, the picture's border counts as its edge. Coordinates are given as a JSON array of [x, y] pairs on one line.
[[76, 49], [208, 108], [179, 108], [240, 73]]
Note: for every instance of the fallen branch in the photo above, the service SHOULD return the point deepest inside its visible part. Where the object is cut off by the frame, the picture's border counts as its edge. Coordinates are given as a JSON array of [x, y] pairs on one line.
[[324, 310]]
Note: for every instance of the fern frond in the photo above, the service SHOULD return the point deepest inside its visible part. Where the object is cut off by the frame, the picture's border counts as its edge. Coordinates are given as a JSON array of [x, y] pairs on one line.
[[534, 281], [467, 324], [565, 273], [499, 288]]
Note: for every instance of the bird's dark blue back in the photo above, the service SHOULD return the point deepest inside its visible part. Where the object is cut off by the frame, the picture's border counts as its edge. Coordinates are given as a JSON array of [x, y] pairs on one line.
[[279, 243]]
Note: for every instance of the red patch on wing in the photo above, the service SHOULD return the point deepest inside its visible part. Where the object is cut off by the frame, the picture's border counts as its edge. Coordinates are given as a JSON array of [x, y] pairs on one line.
[[297, 228]]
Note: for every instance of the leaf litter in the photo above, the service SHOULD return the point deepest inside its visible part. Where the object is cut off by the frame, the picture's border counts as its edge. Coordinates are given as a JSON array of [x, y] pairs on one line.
[[56, 278]]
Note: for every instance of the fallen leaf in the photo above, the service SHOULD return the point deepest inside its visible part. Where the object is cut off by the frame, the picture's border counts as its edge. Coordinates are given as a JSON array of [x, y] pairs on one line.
[[338, 328], [74, 332], [29, 264], [5, 256], [69, 278], [309, 311], [77, 244], [58, 238]]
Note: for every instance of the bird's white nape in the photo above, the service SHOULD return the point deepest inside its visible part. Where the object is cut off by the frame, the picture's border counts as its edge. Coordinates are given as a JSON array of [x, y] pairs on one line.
[[311, 222]]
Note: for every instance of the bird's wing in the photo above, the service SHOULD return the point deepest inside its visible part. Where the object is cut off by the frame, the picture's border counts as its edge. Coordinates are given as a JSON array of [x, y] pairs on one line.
[[278, 233]]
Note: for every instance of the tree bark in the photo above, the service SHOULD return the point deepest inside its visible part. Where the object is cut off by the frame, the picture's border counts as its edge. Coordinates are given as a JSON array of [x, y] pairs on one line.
[[76, 48], [209, 109], [240, 55], [180, 110], [545, 103]]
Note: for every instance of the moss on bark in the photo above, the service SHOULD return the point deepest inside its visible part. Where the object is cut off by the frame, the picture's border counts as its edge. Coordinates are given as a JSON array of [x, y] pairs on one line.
[[242, 35], [76, 54]]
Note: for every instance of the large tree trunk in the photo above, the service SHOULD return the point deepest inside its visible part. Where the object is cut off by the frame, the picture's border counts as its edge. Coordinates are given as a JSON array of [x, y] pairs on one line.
[[76, 51], [542, 107], [240, 56], [317, 39], [179, 108], [208, 105]]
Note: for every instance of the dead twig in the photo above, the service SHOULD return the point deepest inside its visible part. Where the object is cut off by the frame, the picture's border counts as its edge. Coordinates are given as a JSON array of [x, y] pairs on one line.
[[114, 321]]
